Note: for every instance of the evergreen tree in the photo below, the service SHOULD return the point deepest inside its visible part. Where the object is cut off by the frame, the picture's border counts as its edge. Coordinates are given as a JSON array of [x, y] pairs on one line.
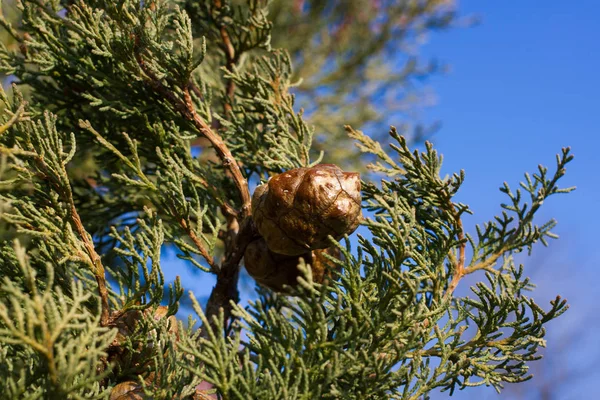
[[134, 125]]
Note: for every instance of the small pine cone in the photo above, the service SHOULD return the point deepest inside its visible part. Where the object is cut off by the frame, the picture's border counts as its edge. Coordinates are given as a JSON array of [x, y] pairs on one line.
[[276, 270], [129, 390], [127, 328], [127, 323], [295, 211]]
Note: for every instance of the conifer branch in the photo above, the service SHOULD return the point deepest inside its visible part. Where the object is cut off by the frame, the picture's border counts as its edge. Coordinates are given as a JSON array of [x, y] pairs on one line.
[[391, 306], [225, 290], [94, 257], [230, 55], [136, 167], [227, 159], [198, 243], [459, 264], [187, 109], [54, 170], [15, 118]]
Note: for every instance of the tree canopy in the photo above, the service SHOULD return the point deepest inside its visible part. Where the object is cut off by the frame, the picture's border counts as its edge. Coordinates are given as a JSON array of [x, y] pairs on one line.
[[134, 125]]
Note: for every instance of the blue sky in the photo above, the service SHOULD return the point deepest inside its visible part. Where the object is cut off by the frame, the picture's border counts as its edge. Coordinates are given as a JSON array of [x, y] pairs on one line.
[[523, 83], [521, 86]]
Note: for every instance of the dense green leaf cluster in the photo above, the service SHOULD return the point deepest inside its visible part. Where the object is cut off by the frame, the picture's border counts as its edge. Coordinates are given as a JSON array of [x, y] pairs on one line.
[[134, 125]]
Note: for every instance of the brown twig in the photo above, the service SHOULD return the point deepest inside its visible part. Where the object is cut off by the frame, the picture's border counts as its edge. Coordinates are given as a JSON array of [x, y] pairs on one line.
[[231, 59], [95, 261], [192, 235], [227, 276], [187, 109], [459, 265], [64, 188], [236, 237], [222, 151], [226, 288]]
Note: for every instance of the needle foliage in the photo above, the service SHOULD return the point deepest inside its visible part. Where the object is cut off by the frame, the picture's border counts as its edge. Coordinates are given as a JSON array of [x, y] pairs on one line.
[[135, 125]]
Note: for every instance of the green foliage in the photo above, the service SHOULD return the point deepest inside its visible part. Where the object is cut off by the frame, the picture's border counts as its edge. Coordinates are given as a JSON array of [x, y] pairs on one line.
[[50, 343], [376, 332], [265, 132], [357, 61], [140, 277], [134, 125]]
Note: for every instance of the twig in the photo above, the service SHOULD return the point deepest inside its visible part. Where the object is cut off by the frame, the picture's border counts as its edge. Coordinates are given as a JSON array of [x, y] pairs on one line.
[[65, 189], [95, 260], [187, 228], [230, 63], [226, 288], [222, 151], [187, 109], [93, 257], [487, 263], [238, 235], [459, 265], [473, 343], [460, 269], [236, 238], [13, 119]]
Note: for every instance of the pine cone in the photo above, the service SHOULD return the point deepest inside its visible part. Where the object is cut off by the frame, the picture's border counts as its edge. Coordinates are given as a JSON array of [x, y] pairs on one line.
[[129, 390], [276, 270], [128, 326], [296, 210]]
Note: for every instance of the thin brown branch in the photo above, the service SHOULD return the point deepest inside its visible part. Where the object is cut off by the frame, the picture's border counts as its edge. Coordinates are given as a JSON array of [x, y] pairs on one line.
[[231, 60], [96, 262], [238, 236], [227, 276], [187, 109], [222, 151], [230, 56], [225, 290], [459, 265], [64, 189], [198, 243]]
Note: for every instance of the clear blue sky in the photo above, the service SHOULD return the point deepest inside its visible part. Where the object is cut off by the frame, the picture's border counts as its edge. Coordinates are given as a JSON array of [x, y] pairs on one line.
[[523, 83]]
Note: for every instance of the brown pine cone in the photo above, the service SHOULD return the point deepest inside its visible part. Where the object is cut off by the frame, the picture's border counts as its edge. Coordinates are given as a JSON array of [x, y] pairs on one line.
[[129, 390], [295, 211], [276, 270], [127, 326]]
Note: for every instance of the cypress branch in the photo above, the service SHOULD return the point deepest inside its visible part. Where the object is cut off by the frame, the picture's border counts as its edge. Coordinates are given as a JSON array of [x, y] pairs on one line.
[[138, 125]]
